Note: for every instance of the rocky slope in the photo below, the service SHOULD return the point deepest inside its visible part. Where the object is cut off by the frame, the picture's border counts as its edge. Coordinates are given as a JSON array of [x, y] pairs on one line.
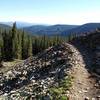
[[59, 66], [40, 72]]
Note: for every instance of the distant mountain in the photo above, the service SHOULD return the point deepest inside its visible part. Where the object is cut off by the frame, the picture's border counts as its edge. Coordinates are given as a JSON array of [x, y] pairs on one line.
[[3, 26], [48, 30], [18, 23], [36, 29], [89, 27]]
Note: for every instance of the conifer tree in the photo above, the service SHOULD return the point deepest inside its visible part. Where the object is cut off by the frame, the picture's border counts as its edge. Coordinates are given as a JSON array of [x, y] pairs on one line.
[[19, 48], [29, 46], [5, 45], [14, 41], [22, 43], [1, 46]]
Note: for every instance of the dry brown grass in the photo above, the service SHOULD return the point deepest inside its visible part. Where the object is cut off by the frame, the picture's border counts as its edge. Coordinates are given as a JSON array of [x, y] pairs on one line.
[[9, 65]]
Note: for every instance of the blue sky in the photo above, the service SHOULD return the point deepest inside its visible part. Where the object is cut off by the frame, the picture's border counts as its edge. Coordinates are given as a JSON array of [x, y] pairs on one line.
[[50, 11]]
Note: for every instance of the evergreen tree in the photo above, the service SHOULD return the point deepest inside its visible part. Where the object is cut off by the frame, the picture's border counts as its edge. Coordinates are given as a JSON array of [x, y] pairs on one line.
[[22, 43], [19, 48], [14, 40], [29, 46], [1, 46], [6, 52], [16, 43]]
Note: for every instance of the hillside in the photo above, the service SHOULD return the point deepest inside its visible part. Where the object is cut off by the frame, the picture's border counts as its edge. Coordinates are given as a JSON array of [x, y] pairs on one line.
[[48, 30], [62, 71], [4, 26], [49, 50], [52, 29], [92, 44], [89, 27], [61, 29]]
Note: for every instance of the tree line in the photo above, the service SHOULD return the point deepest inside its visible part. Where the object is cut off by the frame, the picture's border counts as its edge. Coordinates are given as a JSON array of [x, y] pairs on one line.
[[17, 44]]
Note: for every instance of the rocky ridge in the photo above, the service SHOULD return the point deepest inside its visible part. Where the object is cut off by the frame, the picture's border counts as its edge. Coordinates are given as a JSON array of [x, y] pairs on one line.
[[33, 78], [40, 72]]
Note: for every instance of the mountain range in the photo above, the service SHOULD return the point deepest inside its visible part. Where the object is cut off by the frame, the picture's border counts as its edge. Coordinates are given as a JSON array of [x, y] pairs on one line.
[[48, 30], [89, 27], [4, 26], [60, 29]]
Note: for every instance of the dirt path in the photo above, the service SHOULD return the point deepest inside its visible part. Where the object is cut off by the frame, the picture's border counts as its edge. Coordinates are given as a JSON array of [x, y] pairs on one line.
[[83, 86]]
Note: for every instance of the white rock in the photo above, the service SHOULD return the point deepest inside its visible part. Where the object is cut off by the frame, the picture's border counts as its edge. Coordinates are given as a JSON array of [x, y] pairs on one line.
[[93, 99], [98, 96], [5, 94], [80, 91], [85, 91], [12, 91], [25, 66], [86, 98], [25, 72], [33, 81]]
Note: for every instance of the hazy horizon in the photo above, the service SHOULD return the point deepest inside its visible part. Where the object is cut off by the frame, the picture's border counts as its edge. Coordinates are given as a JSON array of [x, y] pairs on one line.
[[45, 24], [73, 12]]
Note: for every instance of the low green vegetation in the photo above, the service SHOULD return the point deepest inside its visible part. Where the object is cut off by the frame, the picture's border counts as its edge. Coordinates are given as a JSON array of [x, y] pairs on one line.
[[9, 65], [59, 92]]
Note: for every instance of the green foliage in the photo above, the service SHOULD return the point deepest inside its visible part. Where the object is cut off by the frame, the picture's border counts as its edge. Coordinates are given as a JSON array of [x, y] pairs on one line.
[[66, 83], [29, 46], [1, 46], [58, 93], [16, 44]]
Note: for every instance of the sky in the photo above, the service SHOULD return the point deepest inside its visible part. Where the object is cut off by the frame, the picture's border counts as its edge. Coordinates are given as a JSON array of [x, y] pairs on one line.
[[50, 11]]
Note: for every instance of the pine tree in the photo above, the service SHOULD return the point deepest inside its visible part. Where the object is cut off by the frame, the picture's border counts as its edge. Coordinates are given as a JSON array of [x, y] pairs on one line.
[[1, 46], [14, 40], [35, 46], [19, 48], [24, 44], [5, 45], [29, 46], [16, 43]]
